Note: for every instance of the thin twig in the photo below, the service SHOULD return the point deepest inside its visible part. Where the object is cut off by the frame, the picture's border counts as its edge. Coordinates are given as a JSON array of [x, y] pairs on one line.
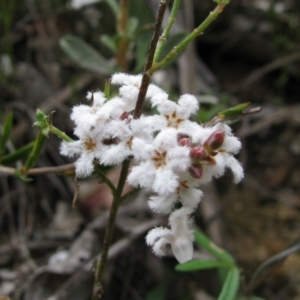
[[163, 37], [146, 76], [69, 168], [101, 263], [196, 32]]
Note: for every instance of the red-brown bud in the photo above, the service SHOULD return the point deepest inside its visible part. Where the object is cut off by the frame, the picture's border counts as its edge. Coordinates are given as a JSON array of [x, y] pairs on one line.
[[196, 171], [184, 141], [125, 115], [198, 153], [215, 141]]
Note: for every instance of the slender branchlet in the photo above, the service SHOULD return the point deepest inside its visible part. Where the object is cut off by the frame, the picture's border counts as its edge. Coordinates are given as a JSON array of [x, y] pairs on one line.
[[146, 76]]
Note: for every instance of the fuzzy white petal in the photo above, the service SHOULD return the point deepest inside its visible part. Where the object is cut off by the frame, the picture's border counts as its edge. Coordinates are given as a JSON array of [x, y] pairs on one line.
[[71, 148], [157, 233], [166, 182], [236, 168], [182, 248], [84, 165], [188, 105], [190, 198], [162, 204]]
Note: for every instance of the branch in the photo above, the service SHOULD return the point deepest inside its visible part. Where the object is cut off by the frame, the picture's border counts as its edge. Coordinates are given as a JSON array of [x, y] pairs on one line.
[[146, 76]]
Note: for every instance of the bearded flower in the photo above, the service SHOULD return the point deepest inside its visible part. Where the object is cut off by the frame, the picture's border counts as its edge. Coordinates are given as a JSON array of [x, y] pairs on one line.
[[179, 236]]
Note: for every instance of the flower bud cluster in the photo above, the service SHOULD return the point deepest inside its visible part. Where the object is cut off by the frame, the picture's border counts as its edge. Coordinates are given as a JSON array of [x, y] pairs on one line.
[[173, 156]]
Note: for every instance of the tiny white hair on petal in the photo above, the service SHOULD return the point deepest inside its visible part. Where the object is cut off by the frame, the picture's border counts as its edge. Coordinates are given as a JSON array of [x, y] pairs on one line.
[[98, 99], [141, 150], [125, 79], [166, 139], [114, 154], [182, 248], [179, 158], [157, 233], [78, 111], [84, 165], [153, 90], [236, 168], [162, 204], [119, 128], [202, 134], [160, 247], [167, 107], [165, 182], [142, 175], [232, 144], [129, 92], [188, 105], [180, 222], [159, 98], [191, 197], [146, 125], [71, 148]]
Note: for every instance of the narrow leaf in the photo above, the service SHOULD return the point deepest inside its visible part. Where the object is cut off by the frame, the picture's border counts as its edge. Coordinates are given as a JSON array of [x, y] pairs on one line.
[[132, 26], [6, 131], [208, 245], [113, 4], [84, 55], [109, 42], [231, 285], [234, 111], [201, 265], [251, 298], [16, 155], [37, 148]]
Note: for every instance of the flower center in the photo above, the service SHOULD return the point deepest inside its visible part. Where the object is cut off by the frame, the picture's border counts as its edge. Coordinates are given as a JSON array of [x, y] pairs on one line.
[[159, 159], [173, 120], [89, 144]]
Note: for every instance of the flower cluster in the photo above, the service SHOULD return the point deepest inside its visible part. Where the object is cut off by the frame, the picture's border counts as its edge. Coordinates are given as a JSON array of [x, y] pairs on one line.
[[173, 156]]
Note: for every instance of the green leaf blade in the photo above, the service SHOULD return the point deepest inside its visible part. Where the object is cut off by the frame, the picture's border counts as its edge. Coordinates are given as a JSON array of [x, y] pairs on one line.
[[199, 264], [231, 285], [84, 55], [222, 255], [5, 135]]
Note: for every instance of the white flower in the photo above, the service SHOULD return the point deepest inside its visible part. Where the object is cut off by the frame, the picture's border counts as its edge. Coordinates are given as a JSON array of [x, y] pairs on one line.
[[160, 162], [87, 149], [130, 87], [120, 135], [180, 236], [176, 114]]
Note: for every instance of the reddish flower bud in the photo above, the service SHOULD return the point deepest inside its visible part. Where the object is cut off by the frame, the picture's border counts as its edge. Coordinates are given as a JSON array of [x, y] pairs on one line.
[[196, 171], [198, 153], [184, 141], [215, 141], [124, 116]]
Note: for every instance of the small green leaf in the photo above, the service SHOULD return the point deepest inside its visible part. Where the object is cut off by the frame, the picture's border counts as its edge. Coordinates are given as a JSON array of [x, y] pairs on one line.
[[208, 245], [16, 155], [251, 298], [5, 135], [84, 55], [132, 26], [113, 4], [20, 176], [42, 122], [201, 265], [231, 285], [36, 150], [109, 42], [234, 111], [158, 293]]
